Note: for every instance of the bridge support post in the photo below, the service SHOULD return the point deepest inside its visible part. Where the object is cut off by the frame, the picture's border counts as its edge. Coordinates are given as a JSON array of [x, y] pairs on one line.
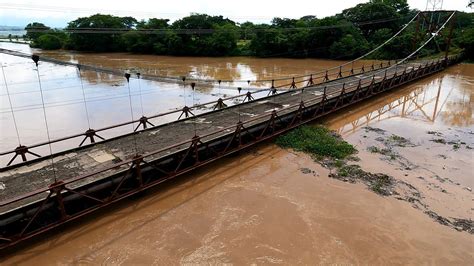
[[138, 159], [90, 133], [355, 96], [273, 90], [220, 104], [271, 124], [381, 87], [340, 98], [143, 122], [326, 77], [237, 136], [293, 84], [370, 90], [22, 151], [299, 114], [186, 111], [322, 104], [56, 189], [448, 40], [310, 81], [193, 151], [248, 97], [392, 80]]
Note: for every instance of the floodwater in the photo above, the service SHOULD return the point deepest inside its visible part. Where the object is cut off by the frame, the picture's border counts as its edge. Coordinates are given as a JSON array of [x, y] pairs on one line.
[[436, 115], [274, 206], [106, 100]]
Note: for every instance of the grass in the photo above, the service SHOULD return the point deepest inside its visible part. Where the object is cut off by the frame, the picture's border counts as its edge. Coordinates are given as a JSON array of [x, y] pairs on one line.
[[378, 183], [317, 141], [320, 142], [441, 141]]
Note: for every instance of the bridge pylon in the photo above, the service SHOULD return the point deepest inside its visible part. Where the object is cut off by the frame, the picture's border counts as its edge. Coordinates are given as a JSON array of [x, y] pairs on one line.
[[429, 23], [434, 5]]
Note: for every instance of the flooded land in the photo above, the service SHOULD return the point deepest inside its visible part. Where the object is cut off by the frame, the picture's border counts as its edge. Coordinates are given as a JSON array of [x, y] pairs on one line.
[[271, 205]]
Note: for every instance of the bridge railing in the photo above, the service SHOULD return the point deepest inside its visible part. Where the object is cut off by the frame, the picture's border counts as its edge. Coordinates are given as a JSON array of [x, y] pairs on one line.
[[234, 140], [26, 153], [328, 92]]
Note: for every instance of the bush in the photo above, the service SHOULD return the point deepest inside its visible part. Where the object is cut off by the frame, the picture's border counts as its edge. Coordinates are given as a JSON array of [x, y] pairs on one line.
[[49, 42], [318, 141], [466, 42]]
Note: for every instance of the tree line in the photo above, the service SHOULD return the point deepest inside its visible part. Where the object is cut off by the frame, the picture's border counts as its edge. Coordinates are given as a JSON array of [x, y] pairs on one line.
[[347, 35]]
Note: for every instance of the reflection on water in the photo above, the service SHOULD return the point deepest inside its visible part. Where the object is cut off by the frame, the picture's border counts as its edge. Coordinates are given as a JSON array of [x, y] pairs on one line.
[[444, 100], [434, 115]]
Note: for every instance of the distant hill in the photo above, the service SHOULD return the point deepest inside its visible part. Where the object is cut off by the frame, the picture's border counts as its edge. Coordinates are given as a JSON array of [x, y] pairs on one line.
[[10, 28], [13, 30]]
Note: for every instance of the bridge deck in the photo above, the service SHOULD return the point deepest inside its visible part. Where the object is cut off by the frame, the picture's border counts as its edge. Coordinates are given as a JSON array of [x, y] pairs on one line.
[[39, 174]]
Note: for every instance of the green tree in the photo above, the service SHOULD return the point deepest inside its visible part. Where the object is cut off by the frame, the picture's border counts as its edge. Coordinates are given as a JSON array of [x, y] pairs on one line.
[[201, 34], [49, 42], [401, 6], [466, 42], [87, 33], [35, 29], [349, 46], [386, 16]]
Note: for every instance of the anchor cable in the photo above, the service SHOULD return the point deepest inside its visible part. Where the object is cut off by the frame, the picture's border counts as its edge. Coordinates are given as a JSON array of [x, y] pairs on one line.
[[127, 76], [11, 105], [84, 97], [140, 92], [45, 119]]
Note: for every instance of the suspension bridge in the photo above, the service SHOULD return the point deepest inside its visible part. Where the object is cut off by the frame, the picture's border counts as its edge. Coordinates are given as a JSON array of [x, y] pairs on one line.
[[45, 191]]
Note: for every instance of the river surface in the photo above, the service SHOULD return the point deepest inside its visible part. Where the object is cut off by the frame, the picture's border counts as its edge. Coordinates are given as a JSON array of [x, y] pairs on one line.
[[275, 206], [76, 101]]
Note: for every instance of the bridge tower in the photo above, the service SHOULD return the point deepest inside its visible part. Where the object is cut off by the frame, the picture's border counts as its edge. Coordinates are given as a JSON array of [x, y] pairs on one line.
[[434, 5], [430, 21]]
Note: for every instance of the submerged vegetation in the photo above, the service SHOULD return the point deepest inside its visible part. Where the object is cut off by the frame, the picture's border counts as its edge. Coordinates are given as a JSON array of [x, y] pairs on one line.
[[346, 35], [317, 141], [328, 147]]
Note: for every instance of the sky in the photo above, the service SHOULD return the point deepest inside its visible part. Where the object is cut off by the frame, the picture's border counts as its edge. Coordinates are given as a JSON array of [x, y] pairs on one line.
[[56, 13]]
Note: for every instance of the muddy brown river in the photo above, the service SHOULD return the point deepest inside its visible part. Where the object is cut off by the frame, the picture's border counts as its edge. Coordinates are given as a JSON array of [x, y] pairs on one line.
[[107, 96], [269, 205]]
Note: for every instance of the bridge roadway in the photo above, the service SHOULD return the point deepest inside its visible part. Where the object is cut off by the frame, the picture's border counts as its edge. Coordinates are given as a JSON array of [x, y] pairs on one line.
[[39, 174]]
